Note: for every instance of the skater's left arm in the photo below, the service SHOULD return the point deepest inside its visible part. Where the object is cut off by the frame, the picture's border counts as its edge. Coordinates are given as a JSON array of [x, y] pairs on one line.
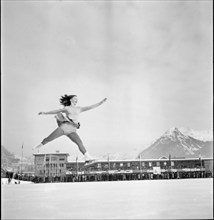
[[53, 112], [86, 108]]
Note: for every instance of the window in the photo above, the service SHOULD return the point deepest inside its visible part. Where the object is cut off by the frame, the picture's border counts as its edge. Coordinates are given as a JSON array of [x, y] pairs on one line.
[[39, 159], [154, 164], [53, 158], [172, 163], [150, 164], [128, 164], [99, 165], [143, 164], [157, 163], [121, 164]]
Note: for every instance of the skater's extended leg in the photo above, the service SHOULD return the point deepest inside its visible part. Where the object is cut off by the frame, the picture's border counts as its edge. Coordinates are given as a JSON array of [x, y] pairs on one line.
[[76, 139], [55, 134]]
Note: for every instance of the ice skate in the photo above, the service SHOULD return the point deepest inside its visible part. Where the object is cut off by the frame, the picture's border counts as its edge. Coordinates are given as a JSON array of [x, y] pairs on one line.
[[89, 158]]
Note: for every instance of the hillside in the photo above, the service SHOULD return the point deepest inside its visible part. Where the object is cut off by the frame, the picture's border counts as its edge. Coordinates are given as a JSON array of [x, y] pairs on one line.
[[8, 157]]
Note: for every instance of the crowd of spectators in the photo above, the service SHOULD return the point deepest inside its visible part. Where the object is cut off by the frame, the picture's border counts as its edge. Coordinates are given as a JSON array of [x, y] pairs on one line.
[[103, 177]]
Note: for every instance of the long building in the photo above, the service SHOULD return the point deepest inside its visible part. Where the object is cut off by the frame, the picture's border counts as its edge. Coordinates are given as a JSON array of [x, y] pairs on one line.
[[163, 168], [55, 167]]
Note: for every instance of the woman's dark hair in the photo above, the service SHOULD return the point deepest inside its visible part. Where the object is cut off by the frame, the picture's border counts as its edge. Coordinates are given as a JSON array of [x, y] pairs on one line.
[[66, 100]]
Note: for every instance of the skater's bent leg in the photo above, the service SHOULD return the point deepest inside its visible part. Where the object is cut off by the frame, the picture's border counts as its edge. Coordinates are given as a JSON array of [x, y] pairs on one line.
[[55, 134], [76, 139]]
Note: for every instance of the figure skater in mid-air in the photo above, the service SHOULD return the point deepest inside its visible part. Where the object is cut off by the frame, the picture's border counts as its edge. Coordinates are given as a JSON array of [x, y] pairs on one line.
[[67, 120]]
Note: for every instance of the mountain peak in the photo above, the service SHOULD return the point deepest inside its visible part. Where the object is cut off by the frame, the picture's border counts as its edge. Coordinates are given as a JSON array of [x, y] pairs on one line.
[[203, 135], [173, 133], [172, 130], [179, 142]]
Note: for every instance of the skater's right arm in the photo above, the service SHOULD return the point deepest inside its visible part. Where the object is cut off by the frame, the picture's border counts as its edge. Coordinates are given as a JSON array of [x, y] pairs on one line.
[[53, 112]]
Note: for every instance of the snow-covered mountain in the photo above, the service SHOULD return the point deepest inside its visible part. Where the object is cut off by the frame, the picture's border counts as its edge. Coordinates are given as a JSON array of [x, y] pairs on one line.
[[204, 135], [180, 143], [7, 157]]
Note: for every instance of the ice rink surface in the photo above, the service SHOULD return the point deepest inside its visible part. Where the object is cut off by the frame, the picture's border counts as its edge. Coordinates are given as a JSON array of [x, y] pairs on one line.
[[144, 199]]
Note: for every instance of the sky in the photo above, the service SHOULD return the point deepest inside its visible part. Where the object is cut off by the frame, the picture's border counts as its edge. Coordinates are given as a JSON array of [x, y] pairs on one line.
[[152, 60]]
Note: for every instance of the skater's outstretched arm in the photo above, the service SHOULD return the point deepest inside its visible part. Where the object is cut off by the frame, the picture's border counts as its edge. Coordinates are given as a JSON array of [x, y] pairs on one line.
[[86, 108], [53, 112]]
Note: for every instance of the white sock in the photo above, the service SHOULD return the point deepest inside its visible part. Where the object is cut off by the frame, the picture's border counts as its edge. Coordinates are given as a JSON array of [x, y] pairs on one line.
[[40, 145], [86, 154]]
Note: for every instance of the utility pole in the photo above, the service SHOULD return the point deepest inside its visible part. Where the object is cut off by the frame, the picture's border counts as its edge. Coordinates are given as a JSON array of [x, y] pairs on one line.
[[77, 165], [200, 160], [108, 167], [170, 167], [108, 163], [140, 166], [21, 158], [50, 168], [200, 164], [44, 166]]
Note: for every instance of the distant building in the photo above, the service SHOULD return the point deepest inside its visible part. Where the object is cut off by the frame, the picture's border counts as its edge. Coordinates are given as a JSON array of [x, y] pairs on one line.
[[163, 166], [50, 165]]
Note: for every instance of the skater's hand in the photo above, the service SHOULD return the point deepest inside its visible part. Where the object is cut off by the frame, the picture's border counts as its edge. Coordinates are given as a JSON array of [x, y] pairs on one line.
[[41, 113]]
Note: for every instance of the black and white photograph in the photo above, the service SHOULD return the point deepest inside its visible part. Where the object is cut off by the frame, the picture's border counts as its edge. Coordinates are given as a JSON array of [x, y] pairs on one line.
[[107, 109]]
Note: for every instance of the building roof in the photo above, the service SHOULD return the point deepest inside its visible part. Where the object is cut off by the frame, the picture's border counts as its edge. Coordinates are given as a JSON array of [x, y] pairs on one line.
[[143, 160], [55, 153]]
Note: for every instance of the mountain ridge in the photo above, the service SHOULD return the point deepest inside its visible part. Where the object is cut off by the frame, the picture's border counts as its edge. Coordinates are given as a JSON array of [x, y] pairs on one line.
[[179, 144]]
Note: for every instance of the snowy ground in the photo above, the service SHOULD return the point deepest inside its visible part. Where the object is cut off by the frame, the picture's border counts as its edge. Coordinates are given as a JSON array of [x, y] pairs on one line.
[[146, 199]]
